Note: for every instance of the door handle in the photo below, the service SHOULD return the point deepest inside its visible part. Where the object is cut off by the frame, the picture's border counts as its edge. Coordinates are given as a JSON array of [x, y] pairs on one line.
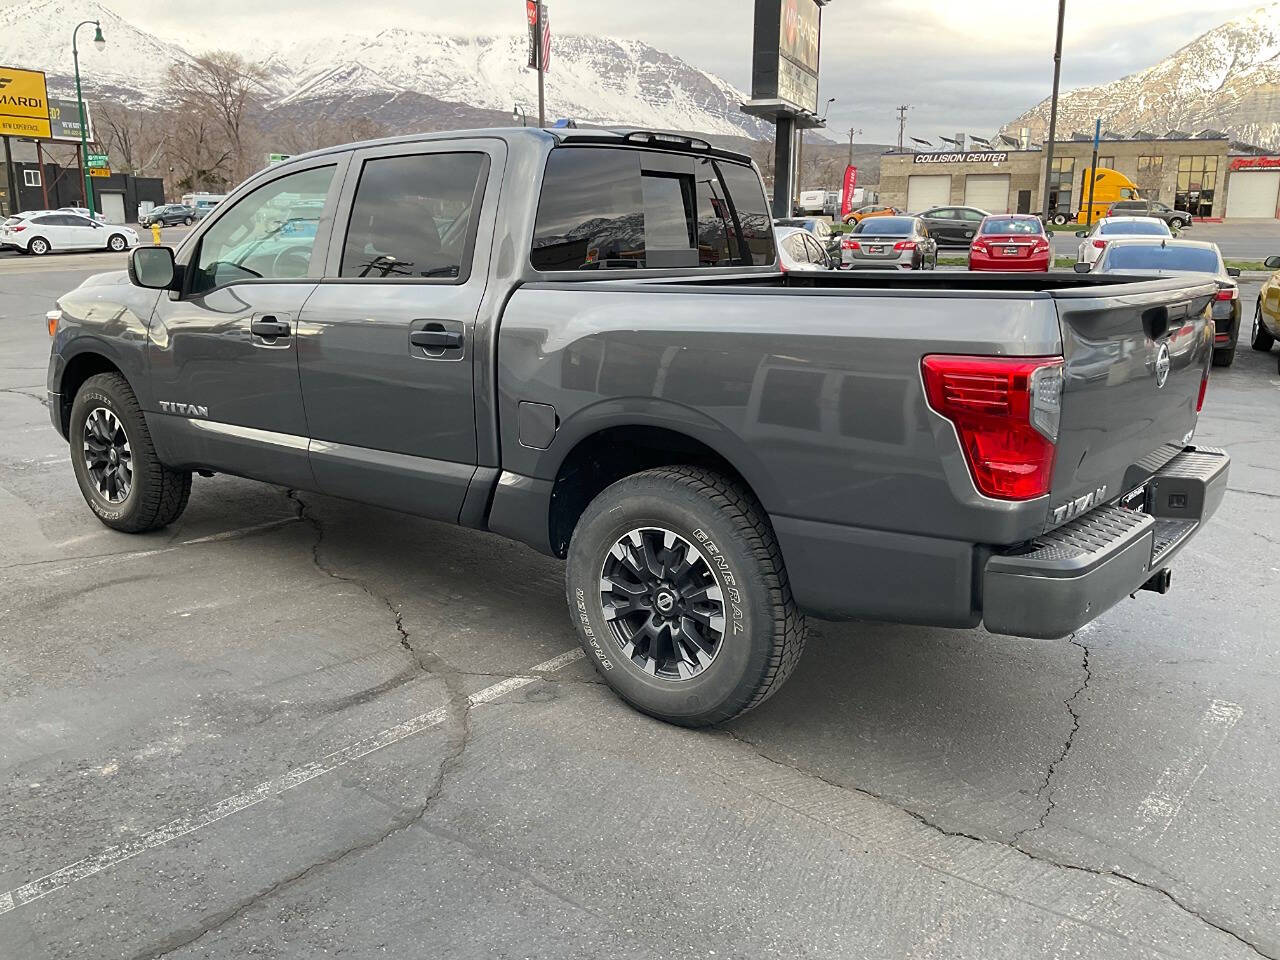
[[436, 339], [269, 327]]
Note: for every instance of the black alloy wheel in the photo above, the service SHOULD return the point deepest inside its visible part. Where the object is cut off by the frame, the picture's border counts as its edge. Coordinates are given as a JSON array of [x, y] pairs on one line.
[[662, 603], [108, 456]]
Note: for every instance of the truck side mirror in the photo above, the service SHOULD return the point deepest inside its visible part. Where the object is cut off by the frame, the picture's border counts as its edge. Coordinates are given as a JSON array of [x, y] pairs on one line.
[[1272, 263], [1233, 271], [152, 268], [1082, 268]]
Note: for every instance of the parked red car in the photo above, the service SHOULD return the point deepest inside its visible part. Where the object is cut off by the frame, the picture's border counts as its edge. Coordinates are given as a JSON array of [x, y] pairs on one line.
[[1010, 241]]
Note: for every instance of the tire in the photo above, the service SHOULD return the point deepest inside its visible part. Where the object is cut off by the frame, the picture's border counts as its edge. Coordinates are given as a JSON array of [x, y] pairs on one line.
[[1059, 219], [737, 568], [188, 221], [117, 242], [38, 246], [1224, 357], [155, 495], [1262, 338], [1177, 223]]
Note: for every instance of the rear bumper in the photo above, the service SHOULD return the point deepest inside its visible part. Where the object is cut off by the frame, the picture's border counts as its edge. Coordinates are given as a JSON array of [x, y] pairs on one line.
[[1071, 575], [1008, 265]]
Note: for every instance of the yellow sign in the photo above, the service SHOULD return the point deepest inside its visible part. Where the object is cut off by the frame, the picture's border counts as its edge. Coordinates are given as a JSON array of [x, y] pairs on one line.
[[24, 103], [99, 171]]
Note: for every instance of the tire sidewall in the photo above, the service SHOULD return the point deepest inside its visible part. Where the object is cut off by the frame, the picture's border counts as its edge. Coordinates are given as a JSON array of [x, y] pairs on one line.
[[87, 400], [111, 243], [38, 251], [724, 687]]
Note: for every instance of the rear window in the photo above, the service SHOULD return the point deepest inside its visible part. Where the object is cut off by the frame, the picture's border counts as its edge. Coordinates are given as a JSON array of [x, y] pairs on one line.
[[1009, 225], [620, 209], [1143, 256], [1140, 228], [886, 226]]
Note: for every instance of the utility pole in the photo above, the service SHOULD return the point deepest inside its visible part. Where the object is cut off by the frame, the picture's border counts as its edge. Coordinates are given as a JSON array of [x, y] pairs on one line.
[[1093, 169], [902, 123], [1053, 109], [851, 133]]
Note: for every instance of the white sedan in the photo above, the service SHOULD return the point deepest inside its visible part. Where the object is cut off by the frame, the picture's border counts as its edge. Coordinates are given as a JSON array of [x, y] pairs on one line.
[[41, 231], [1096, 238]]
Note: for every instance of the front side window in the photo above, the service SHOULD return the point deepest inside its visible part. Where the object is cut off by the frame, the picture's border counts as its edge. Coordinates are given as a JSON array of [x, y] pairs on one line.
[[413, 216], [268, 235]]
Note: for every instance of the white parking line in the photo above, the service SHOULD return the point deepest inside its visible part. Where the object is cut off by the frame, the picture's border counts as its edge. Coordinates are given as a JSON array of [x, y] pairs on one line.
[[104, 859], [139, 554], [1175, 784]]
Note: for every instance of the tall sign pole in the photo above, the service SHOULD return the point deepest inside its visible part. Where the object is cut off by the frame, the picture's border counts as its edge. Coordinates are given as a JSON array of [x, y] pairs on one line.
[[1053, 109], [1093, 169], [539, 49]]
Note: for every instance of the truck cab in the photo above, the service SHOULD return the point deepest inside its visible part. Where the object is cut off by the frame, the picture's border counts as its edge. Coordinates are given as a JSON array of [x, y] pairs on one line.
[[1109, 186]]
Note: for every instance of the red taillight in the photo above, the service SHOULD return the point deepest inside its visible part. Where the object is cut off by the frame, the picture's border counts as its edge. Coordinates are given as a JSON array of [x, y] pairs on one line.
[[18, 228], [978, 247], [1100, 244], [1227, 293], [905, 245], [1006, 412], [848, 244], [1204, 387]]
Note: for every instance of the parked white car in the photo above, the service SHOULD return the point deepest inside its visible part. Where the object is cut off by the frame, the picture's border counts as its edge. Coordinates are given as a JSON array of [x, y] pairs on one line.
[[799, 251], [41, 231], [84, 212], [1095, 239]]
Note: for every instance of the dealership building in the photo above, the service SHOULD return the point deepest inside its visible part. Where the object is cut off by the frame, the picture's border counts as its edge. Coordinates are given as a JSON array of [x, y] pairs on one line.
[[1206, 173]]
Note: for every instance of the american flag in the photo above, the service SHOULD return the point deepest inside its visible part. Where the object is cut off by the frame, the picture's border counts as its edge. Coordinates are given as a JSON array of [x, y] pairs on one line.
[[534, 10]]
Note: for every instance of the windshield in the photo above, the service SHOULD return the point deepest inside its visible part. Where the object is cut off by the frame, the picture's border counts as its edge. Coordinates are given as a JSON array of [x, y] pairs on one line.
[[1010, 225], [886, 226], [1141, 228], [1152, 256]]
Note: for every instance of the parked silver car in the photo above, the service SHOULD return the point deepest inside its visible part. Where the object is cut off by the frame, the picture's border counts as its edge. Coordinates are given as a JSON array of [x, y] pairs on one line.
[[889, 243]]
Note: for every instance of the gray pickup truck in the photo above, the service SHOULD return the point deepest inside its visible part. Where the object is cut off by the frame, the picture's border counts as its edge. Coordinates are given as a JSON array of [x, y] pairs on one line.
[[581, 340]]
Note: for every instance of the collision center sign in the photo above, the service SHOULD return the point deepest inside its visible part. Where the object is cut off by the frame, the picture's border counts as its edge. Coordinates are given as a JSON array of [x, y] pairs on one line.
[[981, 156], [24, 103]]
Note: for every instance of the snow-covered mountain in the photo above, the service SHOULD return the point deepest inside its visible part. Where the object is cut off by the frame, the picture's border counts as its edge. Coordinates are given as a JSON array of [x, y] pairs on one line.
[[596, 80], [1227, 79]]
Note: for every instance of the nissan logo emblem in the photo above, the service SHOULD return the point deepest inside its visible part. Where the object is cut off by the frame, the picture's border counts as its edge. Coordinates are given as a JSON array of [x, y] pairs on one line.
[[1162, 365]]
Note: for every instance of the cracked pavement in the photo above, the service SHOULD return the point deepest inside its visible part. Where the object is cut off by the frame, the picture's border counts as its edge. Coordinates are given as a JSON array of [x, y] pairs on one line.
[[910, 792]]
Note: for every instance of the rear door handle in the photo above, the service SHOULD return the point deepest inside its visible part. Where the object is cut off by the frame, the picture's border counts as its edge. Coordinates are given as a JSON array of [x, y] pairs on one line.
[[269, 327], [436, 339]]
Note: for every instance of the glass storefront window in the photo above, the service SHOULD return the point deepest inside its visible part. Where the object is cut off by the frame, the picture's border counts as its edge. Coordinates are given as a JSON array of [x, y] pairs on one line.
[[1197, 182], [1061, 183]]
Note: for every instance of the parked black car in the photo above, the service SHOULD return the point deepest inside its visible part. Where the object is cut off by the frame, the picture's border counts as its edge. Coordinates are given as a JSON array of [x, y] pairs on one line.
[[1176, 219], [168, 215], [953, 226]]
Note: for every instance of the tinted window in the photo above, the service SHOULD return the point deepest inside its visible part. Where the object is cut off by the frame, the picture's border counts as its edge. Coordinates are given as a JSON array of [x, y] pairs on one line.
[[49, 220], [974, 215], [602, 209], [943, 214], [886, 226], [1154, 256], [71, 220], [1008, 225], [413, 216], [269, 234], [1147, 228]]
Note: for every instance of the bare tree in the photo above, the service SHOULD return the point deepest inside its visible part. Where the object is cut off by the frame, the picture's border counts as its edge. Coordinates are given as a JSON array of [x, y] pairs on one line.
[[222, 92], [133, 138]]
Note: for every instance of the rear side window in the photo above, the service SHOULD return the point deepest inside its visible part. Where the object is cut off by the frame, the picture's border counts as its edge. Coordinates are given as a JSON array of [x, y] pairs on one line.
[[607, 209], [414, 217]]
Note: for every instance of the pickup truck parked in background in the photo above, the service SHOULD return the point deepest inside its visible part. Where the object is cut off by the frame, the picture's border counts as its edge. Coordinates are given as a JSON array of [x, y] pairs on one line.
[[581, 340]]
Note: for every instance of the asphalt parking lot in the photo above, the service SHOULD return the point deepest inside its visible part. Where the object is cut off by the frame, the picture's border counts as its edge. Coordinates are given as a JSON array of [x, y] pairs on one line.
[[292, 726]]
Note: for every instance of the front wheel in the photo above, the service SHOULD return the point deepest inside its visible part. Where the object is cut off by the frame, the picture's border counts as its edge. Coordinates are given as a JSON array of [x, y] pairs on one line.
[[117, 243], [1262, 338], [115, 462], [1060, 219], [38, 246], [1177, 223], [188, 221], [677, 588]]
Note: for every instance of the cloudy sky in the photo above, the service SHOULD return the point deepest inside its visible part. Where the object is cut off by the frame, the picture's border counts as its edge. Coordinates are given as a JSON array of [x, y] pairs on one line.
[[964, 65]]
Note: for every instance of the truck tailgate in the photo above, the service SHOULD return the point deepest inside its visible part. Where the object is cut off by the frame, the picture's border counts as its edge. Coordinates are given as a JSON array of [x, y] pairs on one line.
[[1134, 365]]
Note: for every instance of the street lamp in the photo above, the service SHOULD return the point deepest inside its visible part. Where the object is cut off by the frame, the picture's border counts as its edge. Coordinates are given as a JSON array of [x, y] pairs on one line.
[[518, 114], [100, 42]]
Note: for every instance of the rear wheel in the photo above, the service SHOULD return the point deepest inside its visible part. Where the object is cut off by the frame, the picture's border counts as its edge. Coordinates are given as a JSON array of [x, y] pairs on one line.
[[1262, 338], [188, 221], [38, 246], [115, 462], [680, 597], [1060, 219], [1224, 357]]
